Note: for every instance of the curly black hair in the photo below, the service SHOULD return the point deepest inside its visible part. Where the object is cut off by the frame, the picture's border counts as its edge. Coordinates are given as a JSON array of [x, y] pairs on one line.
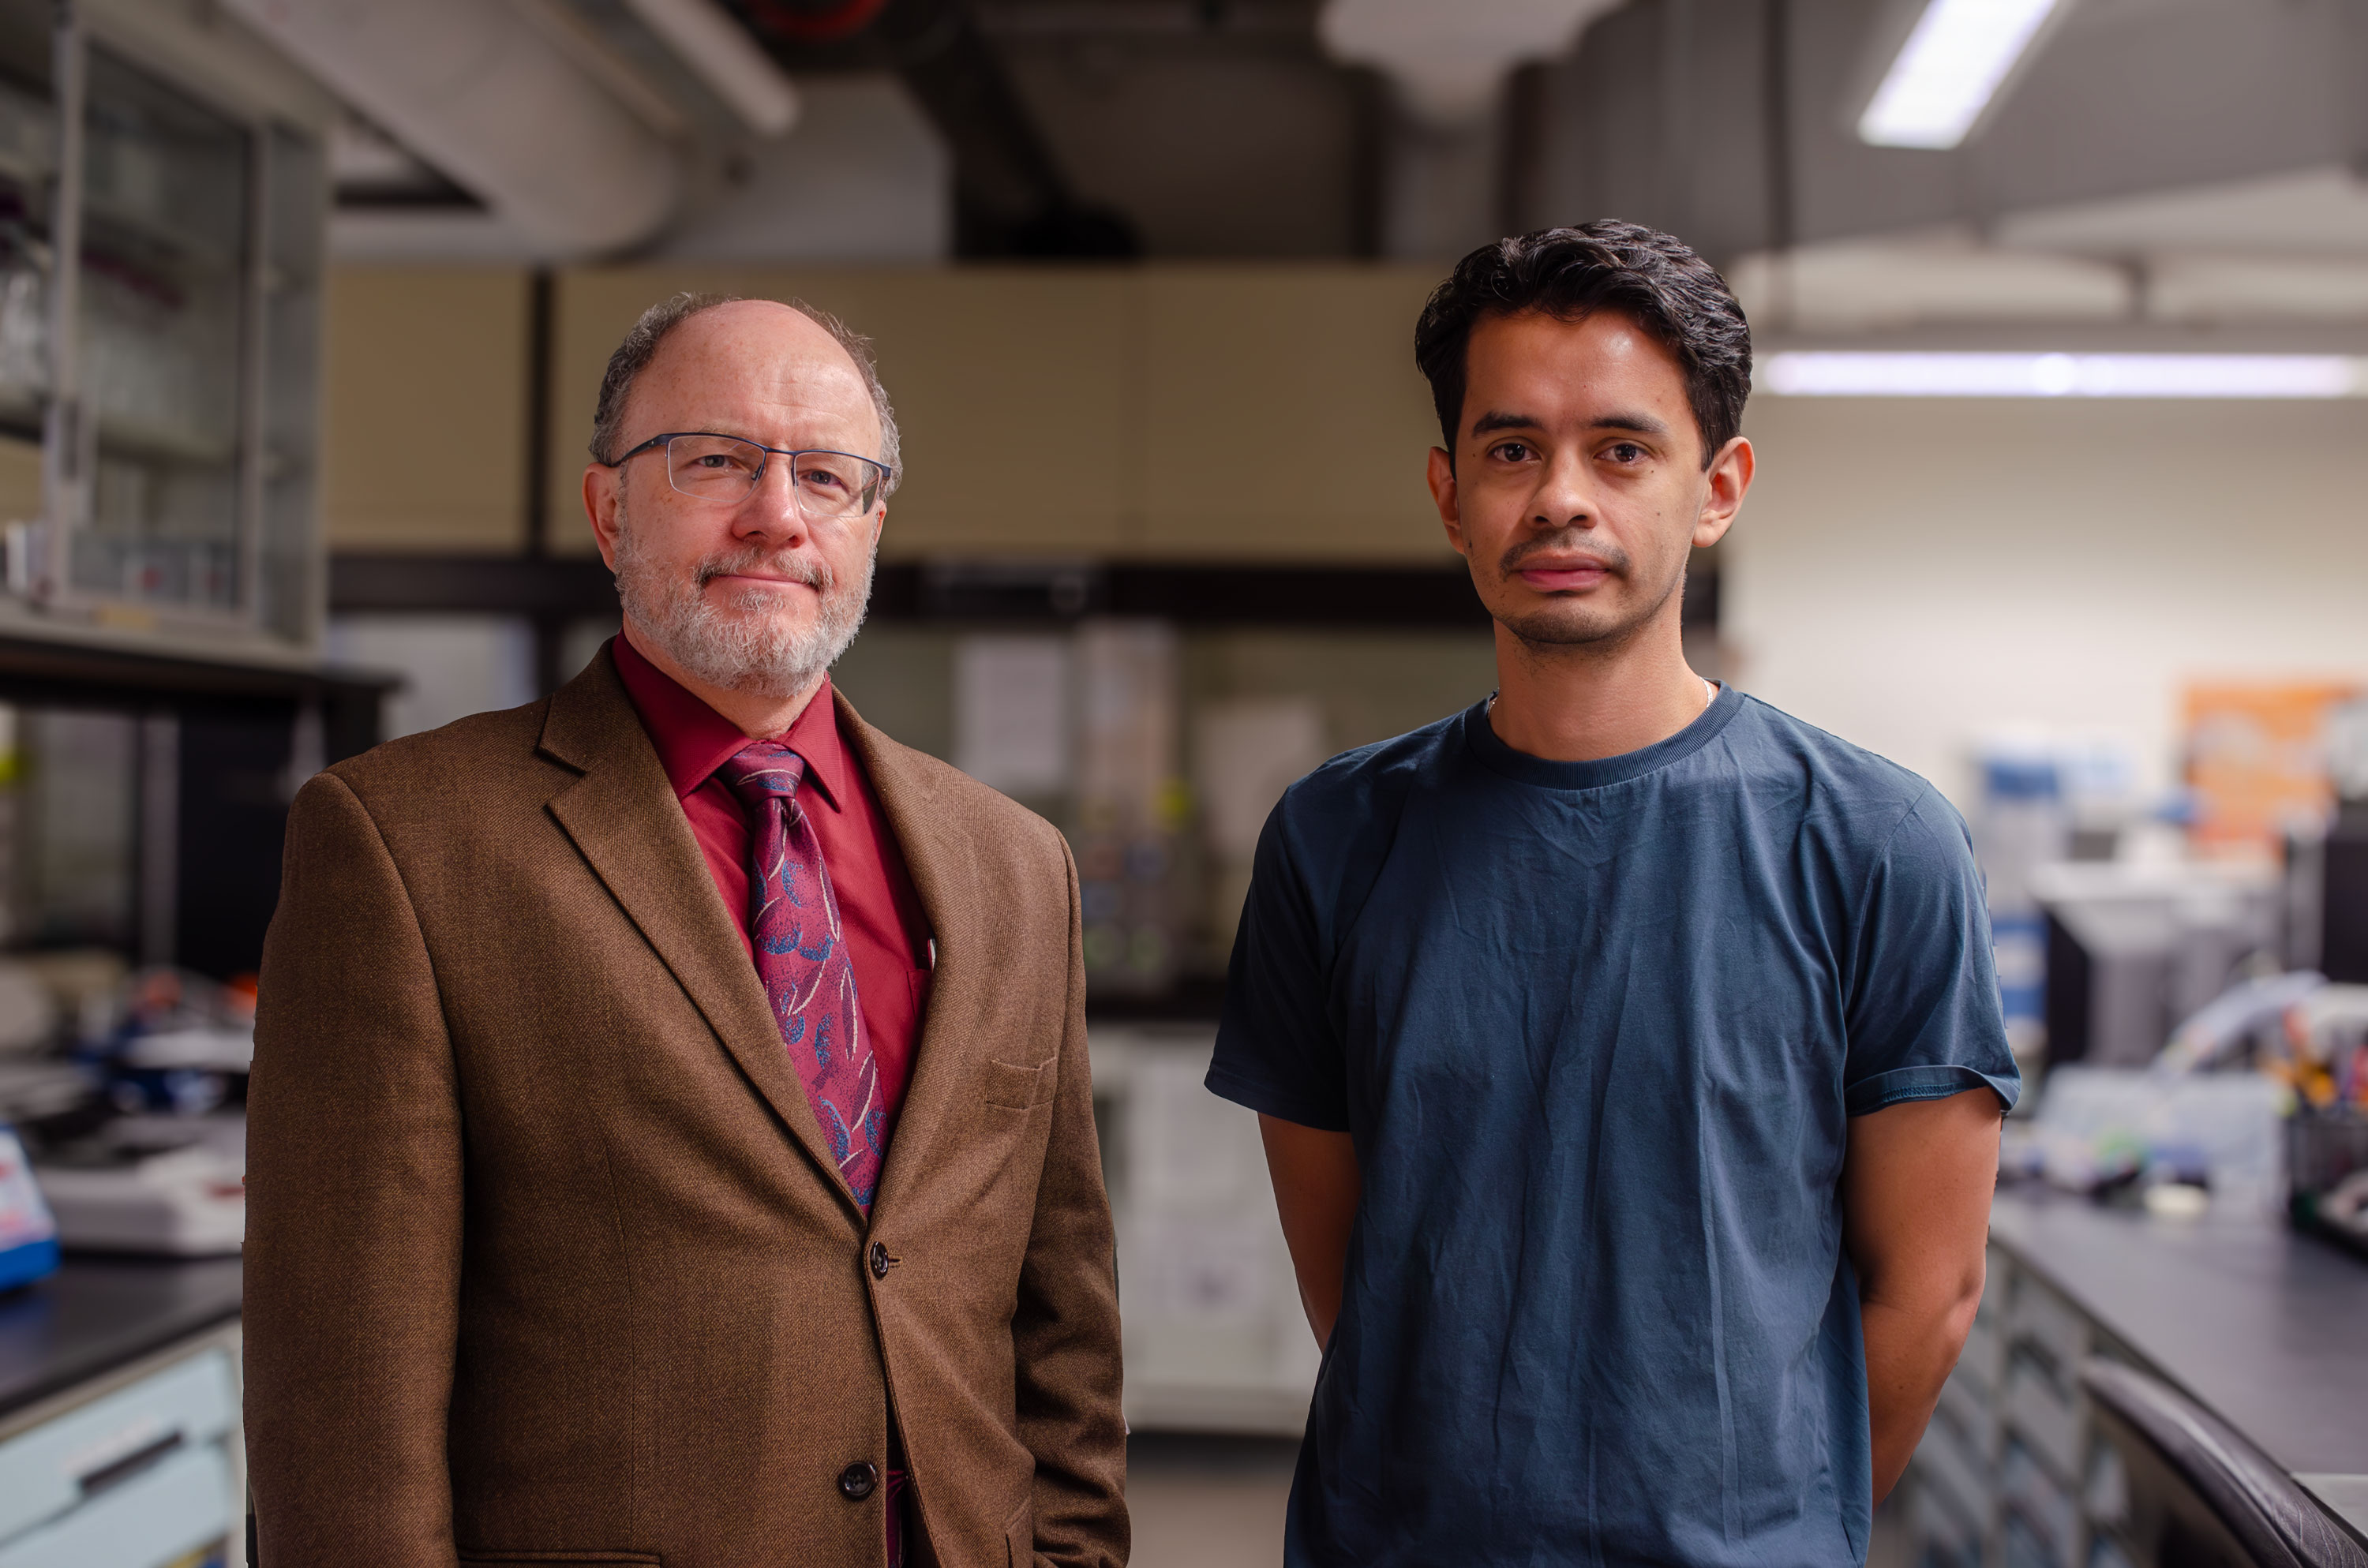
[[1654, 279]]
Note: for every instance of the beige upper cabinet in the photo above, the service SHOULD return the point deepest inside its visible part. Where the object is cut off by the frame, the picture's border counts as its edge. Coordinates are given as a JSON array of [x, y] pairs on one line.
[[424, 415], [1283, 414]]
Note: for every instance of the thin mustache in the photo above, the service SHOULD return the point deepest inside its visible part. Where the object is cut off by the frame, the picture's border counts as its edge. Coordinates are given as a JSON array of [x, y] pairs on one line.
[[1613, 560]]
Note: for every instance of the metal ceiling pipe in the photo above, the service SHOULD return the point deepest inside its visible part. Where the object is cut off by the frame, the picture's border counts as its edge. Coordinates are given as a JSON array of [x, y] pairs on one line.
[[478, 91], [719, 52], [1011, 194]]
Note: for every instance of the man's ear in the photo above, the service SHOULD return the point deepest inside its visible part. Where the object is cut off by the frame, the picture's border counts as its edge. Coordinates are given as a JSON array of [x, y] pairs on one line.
[[601, 484], [1726, 481], [1442, 478]]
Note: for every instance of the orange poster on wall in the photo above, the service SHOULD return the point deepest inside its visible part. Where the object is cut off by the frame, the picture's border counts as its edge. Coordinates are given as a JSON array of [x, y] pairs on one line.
[[2257, 759]]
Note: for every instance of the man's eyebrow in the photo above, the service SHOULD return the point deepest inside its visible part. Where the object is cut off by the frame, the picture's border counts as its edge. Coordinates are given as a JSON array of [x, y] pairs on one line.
[[1497, 419]]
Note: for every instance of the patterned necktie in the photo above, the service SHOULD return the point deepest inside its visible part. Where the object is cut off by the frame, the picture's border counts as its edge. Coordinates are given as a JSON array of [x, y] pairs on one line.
[[804, 962]]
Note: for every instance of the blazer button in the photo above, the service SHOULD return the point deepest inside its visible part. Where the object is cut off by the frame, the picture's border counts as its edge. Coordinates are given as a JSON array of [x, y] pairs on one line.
[[856, 1481], [879, 1261]]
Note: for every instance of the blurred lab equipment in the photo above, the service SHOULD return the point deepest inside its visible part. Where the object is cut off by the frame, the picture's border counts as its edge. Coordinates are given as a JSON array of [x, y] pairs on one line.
[[2101, 1129], [128, 1089], [29, 1235], [1245, 751], [2326, 873], [1130, 803], [2132, 946], [156, 1185], [2023, 826]]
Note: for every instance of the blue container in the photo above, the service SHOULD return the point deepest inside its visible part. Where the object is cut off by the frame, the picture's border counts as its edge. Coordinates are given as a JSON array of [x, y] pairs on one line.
[[28, 1236]]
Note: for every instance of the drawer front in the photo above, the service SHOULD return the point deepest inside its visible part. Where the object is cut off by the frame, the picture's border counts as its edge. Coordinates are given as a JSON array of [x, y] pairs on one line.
[[163, 1514], [81, 1454]]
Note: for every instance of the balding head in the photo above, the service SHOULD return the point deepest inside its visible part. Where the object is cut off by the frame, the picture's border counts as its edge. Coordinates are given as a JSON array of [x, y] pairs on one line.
[[757, 345], [745, 595]]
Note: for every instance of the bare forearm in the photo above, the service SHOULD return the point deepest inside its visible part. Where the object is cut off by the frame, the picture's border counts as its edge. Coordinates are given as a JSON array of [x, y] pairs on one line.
[[1910, 1347], [1915, 1192], [1316, 1185]]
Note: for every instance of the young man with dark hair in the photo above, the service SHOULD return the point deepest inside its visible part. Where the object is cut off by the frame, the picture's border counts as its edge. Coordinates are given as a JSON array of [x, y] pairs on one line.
[[1629, 1053]]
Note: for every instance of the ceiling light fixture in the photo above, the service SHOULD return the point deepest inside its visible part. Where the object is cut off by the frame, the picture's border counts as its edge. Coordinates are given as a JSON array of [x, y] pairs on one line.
[[1810, 373], [1956, 58]]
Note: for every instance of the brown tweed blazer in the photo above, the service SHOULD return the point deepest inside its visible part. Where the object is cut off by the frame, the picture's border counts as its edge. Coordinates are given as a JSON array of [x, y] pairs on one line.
[[546, 1260]]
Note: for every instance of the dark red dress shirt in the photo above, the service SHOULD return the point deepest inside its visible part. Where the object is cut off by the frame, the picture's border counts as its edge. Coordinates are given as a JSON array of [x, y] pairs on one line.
[[880, 916]]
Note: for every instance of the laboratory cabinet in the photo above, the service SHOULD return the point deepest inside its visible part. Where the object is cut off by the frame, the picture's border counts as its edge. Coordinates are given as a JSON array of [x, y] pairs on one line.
[[120, 1441], [162, 220], [2253, 1324], [1215, 1339]]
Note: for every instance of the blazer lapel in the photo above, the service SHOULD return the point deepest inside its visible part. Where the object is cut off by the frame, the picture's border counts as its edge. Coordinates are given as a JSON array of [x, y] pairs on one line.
[[941, 862], [623, 817]]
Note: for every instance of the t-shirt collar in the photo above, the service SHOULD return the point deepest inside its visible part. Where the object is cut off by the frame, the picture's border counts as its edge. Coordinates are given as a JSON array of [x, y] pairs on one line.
[[693, 740], [1481, 738]]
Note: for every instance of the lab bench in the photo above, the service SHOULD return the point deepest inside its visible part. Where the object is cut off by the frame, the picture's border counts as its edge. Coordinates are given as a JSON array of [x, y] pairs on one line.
[[120, 1438], [2259, 1326]]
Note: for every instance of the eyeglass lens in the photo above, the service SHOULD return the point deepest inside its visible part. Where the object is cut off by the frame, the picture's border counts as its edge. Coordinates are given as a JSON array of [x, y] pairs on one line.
[[717, 468]]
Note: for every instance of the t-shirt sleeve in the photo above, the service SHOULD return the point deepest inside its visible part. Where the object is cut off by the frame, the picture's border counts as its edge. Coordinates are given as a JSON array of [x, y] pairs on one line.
[[1924, 1016], [1277, 1051]]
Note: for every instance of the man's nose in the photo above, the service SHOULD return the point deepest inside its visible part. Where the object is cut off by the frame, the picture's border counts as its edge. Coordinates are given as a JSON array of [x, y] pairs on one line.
[[771, 508], [1564, 497]]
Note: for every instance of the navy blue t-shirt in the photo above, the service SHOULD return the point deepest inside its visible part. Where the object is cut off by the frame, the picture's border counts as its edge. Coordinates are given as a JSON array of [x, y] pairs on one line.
[[1598, 1029]]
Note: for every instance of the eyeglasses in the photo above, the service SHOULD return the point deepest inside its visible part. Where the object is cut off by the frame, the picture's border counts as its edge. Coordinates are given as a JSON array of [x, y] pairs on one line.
[[826, 486]]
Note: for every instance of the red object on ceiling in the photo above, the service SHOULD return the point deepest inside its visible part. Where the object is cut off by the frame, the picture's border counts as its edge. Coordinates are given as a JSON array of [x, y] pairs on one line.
[[817, 23]]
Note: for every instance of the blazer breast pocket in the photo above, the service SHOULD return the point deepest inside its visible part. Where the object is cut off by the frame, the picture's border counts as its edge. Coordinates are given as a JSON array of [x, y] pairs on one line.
[[1015, 1087]]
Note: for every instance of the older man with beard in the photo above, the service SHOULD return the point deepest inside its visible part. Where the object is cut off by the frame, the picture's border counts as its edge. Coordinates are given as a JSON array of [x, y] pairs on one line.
[[670, 1137]]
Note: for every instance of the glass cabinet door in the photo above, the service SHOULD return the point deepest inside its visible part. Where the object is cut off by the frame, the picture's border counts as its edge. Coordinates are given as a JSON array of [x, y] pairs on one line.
[[160, 261], [27, 207], [167, 227]]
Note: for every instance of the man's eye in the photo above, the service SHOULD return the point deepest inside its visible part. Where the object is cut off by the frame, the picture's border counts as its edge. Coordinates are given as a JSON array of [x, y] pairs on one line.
[[1626, 452], [1512, 452]]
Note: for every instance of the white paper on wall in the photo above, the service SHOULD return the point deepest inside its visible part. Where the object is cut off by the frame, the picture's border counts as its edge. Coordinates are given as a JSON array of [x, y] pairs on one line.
[[1011, 713], [1127, 671], [1250, 749]]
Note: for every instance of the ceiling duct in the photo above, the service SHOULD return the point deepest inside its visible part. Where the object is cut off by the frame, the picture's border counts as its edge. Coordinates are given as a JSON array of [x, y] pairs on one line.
[[1449, 61], [479, 91], [1011, 194]]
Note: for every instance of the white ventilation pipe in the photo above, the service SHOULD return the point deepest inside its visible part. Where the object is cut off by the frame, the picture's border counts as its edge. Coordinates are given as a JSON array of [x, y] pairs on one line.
[[719, 52], [474, 88], [1448, 60]]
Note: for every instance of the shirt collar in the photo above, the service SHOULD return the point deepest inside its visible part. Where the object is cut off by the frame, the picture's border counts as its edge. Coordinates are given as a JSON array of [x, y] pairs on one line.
[[693, 740]]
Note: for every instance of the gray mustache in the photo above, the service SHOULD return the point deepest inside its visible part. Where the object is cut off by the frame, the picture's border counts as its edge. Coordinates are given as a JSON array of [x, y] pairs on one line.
[[798, 568]]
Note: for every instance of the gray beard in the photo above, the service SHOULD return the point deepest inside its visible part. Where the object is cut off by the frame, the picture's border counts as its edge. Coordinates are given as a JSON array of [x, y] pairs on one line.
[[757, 654]]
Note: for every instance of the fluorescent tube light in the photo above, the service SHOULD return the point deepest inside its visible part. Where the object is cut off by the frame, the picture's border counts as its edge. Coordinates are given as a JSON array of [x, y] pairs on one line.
[[1950, 68], [1808, 373]]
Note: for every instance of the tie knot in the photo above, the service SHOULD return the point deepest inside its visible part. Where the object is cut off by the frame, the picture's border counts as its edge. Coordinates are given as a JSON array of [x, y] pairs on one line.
[[764, 770]]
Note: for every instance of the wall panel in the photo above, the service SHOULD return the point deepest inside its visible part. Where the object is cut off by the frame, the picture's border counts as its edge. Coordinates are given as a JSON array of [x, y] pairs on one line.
[[424, 442], [1283, 415]]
